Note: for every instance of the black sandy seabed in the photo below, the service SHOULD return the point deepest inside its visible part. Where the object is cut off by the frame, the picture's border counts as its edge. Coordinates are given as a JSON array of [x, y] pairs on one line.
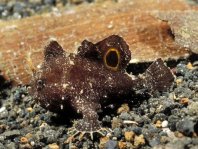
[[167, 121]]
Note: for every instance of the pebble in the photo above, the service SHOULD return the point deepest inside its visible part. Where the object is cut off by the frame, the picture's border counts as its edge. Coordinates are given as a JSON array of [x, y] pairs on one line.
[[2, 146], [165, 124], [49, 2], [193, 109], [32, 143], [3, 113], [164, 139], [190, 66], [24, 140], [2, 109], [11, 134], [181, 69], [136, 130], [139, 140], [111, 144], [2, 138], [53, 146], [103, 141], [178, 143], [172, 120], [169, 133], [158, 124], [137, 118], [107, 119], [123, 108], [186, 127], [129, 136], [117, 132], [122, 145], [50, 135], [11, 145], [29, 109], [116, 123], [125, 116], [76, 1], [25, 146], [154, 142], [178, 134], [184, 101]]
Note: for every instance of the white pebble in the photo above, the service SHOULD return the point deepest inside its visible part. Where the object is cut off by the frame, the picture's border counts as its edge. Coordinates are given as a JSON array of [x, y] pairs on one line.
[[2, 109], [32, 143], [164, 124], [169, 133]]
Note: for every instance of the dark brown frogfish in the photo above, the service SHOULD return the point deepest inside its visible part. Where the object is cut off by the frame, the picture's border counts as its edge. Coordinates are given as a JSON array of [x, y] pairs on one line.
[[82, 82]]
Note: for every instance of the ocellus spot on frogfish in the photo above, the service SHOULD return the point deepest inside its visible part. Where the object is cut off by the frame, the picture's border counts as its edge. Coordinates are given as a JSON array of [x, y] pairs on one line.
[[82, 82]]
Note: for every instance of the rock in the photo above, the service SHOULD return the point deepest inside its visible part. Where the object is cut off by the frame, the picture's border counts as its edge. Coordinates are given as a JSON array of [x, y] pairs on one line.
[[2, 146], [164, 124], [137, 118], [49, 2], [184, 27], [184, 101], [2, 109], [184, 92], [11, 134], [193, 109], [117, 132], [122, 145], [25, 146], [123, 108], [111, 145], [178, 143], [50, 135], [194, 147], [23, 140], [169, 133], [154, 142], [107, 119], [158, 124], [75, 2], [149, 131], [185, 126], [32, 143], [139, 141], [125, 116], [136, 130], [53, 146], [3, 113], [103, 141], [29, 109], [178, 134], [2, 138], [172, 122], [18, 7], [164, 139], [190, 66], [11, 145], [129, 136], [116, 123]]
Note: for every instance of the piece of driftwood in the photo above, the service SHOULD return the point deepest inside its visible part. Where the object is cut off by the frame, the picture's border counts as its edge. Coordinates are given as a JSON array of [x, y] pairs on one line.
[[184, 26], [148, 37]]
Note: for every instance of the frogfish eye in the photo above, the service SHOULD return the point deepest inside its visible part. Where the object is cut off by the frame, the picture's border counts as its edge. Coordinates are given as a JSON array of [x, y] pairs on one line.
[[40, 84], [112, 59]]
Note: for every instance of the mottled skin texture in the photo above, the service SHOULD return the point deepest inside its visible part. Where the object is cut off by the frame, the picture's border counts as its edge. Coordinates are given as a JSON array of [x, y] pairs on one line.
[[82, 82]]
